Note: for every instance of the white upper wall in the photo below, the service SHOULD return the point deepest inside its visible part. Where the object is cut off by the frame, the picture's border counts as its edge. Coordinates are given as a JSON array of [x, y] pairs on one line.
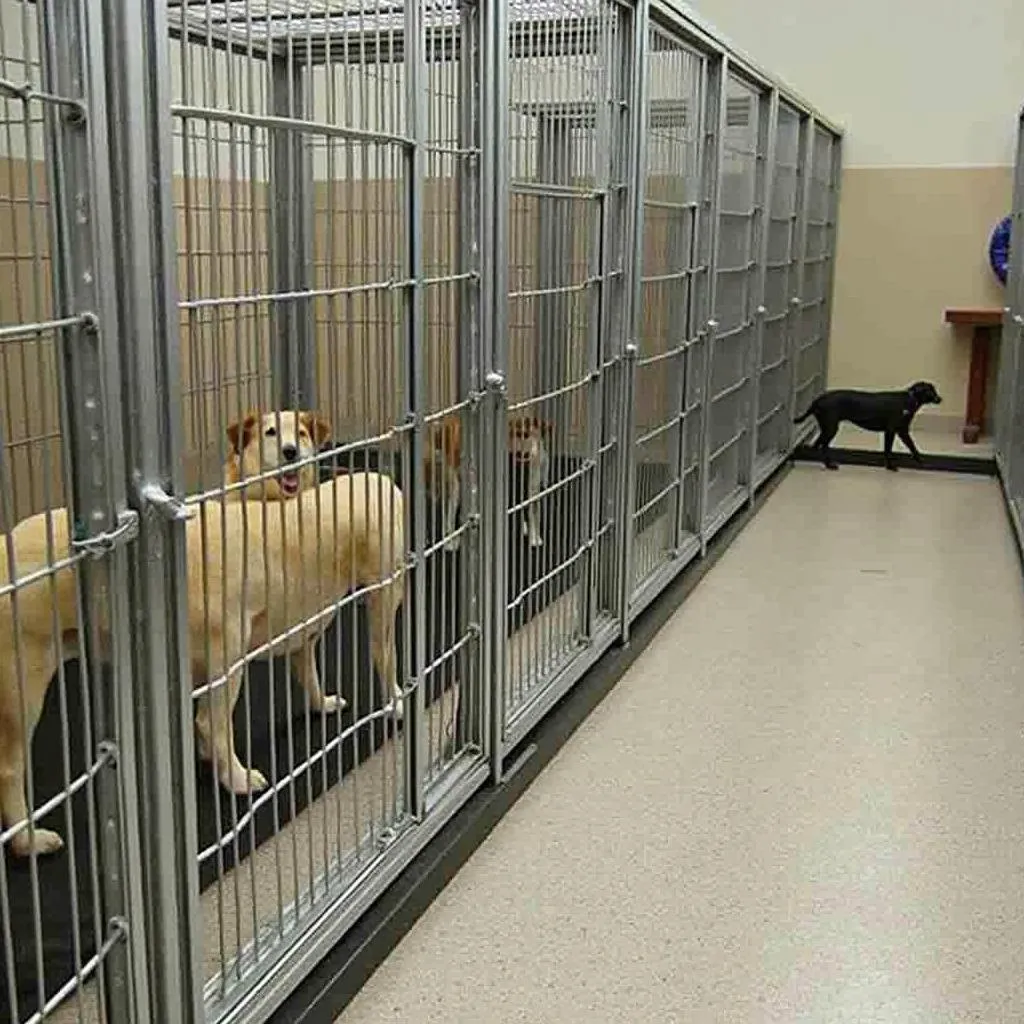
[[913, 82]]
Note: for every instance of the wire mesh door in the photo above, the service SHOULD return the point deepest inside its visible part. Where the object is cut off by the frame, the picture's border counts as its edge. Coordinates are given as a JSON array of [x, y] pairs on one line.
[[1010, 430], [774, 419], [328, 218], [811, 337], [568, 83], [743, 123], [71, 944], [1009, 436], [666, 422]]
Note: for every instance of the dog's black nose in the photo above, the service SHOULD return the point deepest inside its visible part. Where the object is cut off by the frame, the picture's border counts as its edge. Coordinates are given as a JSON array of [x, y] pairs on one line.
[[290, 452]]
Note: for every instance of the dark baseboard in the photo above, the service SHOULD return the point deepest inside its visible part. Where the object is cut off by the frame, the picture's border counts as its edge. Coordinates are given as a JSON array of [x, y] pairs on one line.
[[338, 977], [976, 465]]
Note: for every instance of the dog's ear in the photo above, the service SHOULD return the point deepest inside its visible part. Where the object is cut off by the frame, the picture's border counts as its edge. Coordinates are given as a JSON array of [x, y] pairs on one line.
[[318, 426], [240, 434]]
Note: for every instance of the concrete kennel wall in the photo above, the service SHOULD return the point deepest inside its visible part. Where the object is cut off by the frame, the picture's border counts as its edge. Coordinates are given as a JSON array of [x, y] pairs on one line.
[[928, 92]]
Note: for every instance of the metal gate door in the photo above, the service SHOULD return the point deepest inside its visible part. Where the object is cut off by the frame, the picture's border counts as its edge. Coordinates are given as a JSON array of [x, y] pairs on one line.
[[774, 418], [1010, 402], [665, 523], [569, 83], [810, 356], [730, 374], [71, 941]]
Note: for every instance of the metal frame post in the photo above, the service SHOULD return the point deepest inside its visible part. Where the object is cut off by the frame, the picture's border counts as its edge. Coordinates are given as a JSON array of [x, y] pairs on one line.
[[795, 332], [72, 48], [637, 176], [767, 131], [291, 238], [494, 293], [416, 125], [470, 718], [138, 75], [713, 168]]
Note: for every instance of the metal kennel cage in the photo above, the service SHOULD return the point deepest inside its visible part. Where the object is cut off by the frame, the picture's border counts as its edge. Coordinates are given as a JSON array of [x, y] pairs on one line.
[[557, 270]]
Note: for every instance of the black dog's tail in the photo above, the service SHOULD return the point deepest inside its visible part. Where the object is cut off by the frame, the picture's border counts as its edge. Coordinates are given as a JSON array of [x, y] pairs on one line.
[[806, 415]]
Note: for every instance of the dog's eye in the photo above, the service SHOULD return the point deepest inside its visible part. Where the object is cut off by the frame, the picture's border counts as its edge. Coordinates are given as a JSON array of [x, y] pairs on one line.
[[271, 432]]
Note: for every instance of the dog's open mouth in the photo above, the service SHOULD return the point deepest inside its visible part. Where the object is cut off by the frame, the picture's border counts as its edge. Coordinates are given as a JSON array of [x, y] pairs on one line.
[[290, 483]]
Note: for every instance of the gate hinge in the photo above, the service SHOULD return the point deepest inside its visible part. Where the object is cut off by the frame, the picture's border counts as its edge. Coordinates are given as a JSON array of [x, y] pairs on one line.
[[127, 529]]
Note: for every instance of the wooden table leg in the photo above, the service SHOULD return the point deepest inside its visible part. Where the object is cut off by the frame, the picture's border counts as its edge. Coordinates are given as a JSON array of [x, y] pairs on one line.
[[974, 421]]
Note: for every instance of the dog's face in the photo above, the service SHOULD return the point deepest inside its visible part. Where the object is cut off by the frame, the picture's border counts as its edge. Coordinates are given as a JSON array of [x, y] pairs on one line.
[[262, 442], [526, 436], [923, 392]]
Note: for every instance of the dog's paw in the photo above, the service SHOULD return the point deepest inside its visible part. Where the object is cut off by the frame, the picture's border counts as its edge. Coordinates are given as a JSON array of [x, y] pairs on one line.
[[331, 704], [833, 466], [43, 843], [243, 780], [395, 708], [536, 541], [892, 467], [453, 543]]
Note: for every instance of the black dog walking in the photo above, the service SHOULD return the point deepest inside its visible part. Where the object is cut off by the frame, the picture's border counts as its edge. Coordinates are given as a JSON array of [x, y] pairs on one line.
[[889, 412]]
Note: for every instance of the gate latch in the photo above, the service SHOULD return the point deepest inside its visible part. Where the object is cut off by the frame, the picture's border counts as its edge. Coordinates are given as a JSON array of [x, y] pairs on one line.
[[173, 509], [100, 544]]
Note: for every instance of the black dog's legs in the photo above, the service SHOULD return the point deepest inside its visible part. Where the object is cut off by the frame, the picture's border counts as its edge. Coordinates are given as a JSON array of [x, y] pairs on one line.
[[904, 435], [890, 436], [827, 431]]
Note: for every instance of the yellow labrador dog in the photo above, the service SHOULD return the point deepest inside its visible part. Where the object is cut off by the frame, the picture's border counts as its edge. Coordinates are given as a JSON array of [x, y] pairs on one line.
[[262, 442], [255, 563]]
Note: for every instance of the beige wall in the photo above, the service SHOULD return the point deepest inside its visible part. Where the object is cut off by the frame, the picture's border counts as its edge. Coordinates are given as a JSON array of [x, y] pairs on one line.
[[928, 92]]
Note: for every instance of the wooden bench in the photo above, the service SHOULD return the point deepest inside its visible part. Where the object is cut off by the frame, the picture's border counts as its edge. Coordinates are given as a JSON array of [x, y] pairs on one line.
[[983, 324]]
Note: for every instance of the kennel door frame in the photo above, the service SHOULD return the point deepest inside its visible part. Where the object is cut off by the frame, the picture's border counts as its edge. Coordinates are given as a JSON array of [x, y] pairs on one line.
[[783, 366], [803, 392], [512, 723], [686, 416], [760, 93], [1009, 429]]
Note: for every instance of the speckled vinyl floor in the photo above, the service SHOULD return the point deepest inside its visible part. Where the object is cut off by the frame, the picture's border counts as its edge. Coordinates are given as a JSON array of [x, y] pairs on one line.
[[804, 804]]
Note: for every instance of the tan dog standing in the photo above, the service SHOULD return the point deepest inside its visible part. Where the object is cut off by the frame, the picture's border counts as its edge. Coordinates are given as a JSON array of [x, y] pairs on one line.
[[255, 570], [262, 442], [526, 444]]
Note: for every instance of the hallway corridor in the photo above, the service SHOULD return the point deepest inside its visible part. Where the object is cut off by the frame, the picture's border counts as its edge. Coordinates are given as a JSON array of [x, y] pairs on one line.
[[804, 803]]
